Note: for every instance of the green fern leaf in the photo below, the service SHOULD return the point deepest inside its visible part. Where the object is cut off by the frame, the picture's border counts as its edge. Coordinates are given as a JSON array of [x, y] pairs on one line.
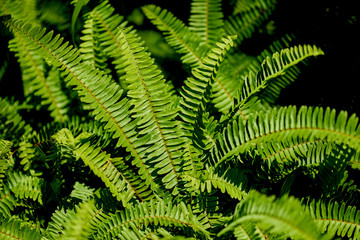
[[152, 104], [96, 90], [285, 215], [82, 192], [334, 218], [6, 160], [153, 213], [271, 69], [12, 228], [206, 20], [287, 124], [196, 92], [244, 24], [177, 34], [7, 201]]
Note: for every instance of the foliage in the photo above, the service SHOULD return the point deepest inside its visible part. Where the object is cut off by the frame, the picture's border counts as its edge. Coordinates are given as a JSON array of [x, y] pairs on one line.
[[124, 153]]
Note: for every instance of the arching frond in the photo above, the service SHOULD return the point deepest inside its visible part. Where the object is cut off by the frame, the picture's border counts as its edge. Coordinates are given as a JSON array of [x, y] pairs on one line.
[[25, 186], [48, 88], [334, 218], [154, 214], [285, 215], [244, 24], [206, 20], [196, 92], [177, 35], [287, 124], [84, 222], [273, 69], [6, 160], [82, 192], [7, 201], [12, 228], [96, 90], [151, 99], [12, 126], [20, 9]]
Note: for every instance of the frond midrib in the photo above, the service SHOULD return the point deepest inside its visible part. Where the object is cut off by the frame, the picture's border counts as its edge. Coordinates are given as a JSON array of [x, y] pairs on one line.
[[42, 79], [92, 94], [230, 153], [151, 106]]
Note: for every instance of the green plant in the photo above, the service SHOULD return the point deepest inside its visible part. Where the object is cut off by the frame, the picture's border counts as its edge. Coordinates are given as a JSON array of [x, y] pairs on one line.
[[133, 157]]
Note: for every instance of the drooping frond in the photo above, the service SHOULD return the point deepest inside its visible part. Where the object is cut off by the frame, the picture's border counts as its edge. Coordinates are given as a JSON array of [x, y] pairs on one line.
[[231, 182], [196, 92], [152, 103], [97, 92], [270, 71], [337, 219], [287, 124], [284, 215], [84, 222], [206, 20], [150, 214], [177, 35], [25, 186], [116, 175], [244, 24], [20, 9], [13, 228], [12, 126], [48, 88], [247, 5]]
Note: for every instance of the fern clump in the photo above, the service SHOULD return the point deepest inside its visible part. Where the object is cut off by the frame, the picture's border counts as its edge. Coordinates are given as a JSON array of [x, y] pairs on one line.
[[124, 153]]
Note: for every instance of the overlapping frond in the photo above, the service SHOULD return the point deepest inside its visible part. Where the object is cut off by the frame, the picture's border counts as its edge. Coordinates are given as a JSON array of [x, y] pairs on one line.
[[12, 125], [7, 201], [273, 69], [206, 20], [287, 124], [245, 23], [177, 35], [20, 9], [6, 160], [151, 98], [152, 214], [335, 218], [35, 82], [97, 92], [284, 215], [14, 228], [25, 186], [197, 89]]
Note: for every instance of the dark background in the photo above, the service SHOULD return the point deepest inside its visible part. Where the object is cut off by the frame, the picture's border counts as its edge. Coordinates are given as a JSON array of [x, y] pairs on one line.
[[330, 80]]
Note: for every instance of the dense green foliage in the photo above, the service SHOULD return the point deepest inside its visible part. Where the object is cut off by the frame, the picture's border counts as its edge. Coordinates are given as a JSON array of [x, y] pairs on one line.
[[123, 153]]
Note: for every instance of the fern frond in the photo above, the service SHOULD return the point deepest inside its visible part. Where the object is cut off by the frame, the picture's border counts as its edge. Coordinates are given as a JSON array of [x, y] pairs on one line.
[[146, 214], [96, 90], [337, 219], [152, 105], [206, 20], [82, 192], [35, 82], [20, 9], [84, 222], [12, 126], [196, 92], [271, 69], [105, 25], [287, 124], [7, 201], [59, 219], [177, 35], [25, 186], [244, 24], [12, 228], [285, 215], [231, 182], [122, 183], [6, 160]]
